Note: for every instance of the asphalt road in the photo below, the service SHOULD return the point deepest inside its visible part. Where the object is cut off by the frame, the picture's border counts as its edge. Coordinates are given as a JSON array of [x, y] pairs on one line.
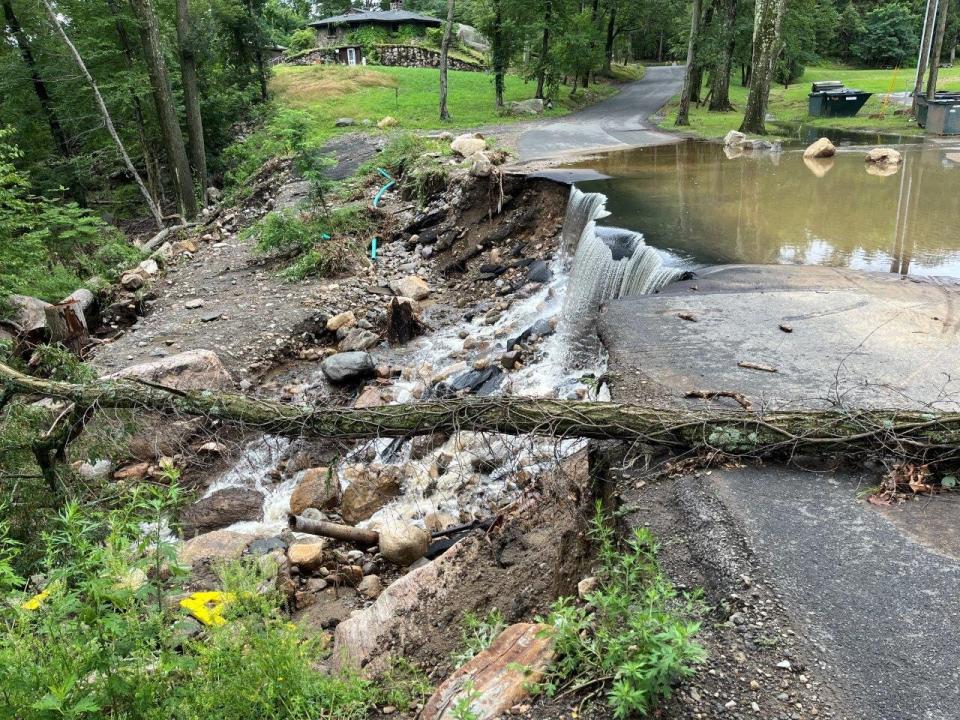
[[879, 601], [617, 123]]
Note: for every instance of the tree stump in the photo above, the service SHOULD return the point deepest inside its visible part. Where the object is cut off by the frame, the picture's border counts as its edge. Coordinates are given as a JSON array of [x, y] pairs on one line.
[[403, 325], [67, 325]]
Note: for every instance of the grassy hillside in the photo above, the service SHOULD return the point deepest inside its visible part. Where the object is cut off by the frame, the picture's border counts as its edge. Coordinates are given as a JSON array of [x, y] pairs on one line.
[[308, 100], [790, 104]]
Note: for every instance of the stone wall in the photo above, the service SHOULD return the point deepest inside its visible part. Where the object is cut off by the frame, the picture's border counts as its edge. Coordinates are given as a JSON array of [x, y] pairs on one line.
[[416, 56], [388, 55]]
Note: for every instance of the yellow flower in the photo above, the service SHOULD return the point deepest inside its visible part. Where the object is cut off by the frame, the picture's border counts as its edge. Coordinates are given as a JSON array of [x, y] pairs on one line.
[[207, 607], [36, 601]]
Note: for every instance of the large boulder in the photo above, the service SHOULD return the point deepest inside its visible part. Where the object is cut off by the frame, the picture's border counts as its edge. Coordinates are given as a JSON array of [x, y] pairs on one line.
[[348, 367], [308, 555], [822, 148], [884, 156], [370, 488], [480, 165], [526, 107], [191, 370], [216, 545], [28, 317], [412, 286], [220, 509], [496, 679], [317, 488], [403, 543], [467, 145]]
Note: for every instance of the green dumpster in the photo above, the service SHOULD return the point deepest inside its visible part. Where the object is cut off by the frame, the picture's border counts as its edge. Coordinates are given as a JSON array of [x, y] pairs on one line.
[[831, 99], [940, 116]]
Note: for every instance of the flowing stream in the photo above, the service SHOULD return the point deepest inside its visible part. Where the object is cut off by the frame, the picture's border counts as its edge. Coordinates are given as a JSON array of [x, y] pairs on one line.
[[472, 473]]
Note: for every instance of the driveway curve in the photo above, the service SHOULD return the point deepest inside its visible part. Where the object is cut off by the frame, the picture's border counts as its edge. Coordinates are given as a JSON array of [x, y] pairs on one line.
[[615, 124]]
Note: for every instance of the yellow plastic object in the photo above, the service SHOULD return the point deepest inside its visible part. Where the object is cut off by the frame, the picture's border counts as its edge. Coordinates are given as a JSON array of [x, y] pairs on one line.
[[207, 607], [36, 601]]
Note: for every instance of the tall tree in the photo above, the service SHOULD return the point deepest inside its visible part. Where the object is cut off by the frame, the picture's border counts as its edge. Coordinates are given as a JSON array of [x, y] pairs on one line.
[[191, 96], [931, 14], [166, 109], [720, 77], [683, 114], [102, 106], [499, 50], [39, 84], [937, 48], [544, 59], [444, 60], [768, 19]]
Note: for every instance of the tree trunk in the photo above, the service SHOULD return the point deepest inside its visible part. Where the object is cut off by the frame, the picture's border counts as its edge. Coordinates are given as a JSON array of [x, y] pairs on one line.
[[68, 326], [924, 52], [611, 36], [766, 46], [720, 78], [925, 437], [683, 114], [544, 48], [166, 109], [499, 52], [937, 48], [102, 106], [39, 86], [149, 159], [191, 97], [444, 53]]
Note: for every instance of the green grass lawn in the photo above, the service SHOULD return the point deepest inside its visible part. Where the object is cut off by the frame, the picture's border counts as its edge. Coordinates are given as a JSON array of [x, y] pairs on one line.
[[308, 100], [789, 105]]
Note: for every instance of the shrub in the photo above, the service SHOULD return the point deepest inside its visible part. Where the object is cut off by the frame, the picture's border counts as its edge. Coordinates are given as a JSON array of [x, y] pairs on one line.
[[102, 641], [323, 244], [50, 247], [634, 631], [305, 39], [888, 36]]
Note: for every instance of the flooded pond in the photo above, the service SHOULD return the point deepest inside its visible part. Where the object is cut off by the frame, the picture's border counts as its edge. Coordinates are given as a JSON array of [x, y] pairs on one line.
[[703, 207]]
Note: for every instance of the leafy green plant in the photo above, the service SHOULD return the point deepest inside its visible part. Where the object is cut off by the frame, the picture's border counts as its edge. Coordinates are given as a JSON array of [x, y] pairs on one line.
[[304, 39], [97, 638], [50, 247], [321, 244], [463, 707], [477, 633], [634, 634]]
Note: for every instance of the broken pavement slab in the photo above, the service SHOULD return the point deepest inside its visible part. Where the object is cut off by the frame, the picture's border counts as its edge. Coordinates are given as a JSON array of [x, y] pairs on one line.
[[865, 339]]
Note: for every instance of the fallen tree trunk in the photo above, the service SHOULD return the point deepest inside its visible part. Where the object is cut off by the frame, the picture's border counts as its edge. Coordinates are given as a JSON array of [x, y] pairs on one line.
[[912, 435]]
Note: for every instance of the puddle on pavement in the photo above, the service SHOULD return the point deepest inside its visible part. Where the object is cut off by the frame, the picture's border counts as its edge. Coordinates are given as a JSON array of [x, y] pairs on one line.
[[705, 208]]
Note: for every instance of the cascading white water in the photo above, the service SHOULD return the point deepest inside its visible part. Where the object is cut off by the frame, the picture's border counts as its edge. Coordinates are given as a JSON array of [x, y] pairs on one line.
[[593, 265], [608, 263]]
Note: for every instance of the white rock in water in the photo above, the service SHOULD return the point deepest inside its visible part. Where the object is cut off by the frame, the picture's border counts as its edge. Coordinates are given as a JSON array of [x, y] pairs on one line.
[[822, 148], [403, 544], [884, 155], [467, 145], [734, 138]]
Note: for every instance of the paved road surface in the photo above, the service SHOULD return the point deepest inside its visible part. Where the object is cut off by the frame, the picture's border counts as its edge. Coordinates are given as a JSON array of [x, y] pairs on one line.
[[621, 121]]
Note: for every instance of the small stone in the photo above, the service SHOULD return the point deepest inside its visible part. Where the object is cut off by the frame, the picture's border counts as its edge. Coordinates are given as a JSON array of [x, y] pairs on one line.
[[754, 706], [784, 665], [344, 319], [587, 586], [370, 587], [388, 122], [412, 286], [307, 555], [194, 304], [131, 280], [344, 122]]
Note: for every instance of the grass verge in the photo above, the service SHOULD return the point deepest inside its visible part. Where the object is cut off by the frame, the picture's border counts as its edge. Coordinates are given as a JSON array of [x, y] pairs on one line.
[[309, 100], [789, 105]]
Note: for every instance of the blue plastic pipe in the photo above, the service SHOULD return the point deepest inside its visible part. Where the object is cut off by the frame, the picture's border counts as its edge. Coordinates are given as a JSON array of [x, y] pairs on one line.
[[373, 249], [379, 196]]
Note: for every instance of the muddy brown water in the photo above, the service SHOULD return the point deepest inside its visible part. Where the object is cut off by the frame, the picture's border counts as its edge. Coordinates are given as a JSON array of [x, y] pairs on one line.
[[706, 205]]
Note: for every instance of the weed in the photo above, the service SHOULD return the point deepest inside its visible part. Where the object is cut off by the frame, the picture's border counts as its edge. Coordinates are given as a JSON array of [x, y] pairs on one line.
[[634, 634], [477, 633], [462, 708]]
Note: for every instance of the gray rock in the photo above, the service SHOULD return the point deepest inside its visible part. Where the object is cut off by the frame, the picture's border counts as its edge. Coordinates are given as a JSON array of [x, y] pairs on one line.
[[348, 367], [344, 122], [265, 546], [539, 272], [529, 107], [359, 339], [192, 370], [222, 508], [734, 138]]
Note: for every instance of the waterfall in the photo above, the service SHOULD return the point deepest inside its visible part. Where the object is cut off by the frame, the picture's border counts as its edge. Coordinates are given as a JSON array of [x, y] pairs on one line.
[[608, 263]]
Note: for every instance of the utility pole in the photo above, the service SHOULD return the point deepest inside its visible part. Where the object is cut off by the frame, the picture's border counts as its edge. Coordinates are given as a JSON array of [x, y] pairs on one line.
[[925, 40]]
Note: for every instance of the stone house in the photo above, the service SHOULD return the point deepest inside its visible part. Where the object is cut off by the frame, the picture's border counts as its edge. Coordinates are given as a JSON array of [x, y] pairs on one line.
[[332, 31]]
